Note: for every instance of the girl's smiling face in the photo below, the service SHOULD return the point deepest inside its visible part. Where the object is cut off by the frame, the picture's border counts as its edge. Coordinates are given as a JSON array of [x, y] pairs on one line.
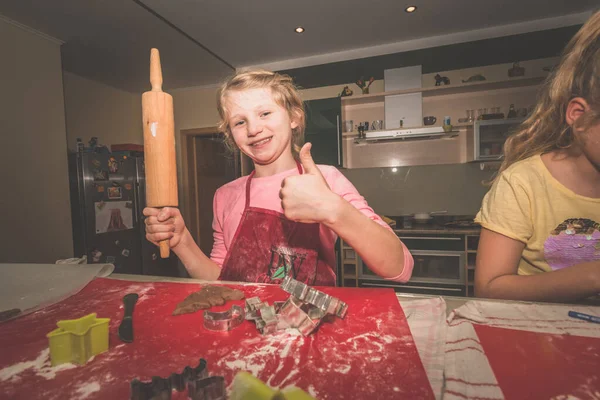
[[261, 128]]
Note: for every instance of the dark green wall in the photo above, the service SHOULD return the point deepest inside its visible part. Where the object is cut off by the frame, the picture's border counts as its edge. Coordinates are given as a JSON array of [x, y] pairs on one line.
[[527, 46]]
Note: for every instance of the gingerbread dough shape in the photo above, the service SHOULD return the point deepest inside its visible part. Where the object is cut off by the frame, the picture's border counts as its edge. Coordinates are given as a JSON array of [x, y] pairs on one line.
[[207, 297]]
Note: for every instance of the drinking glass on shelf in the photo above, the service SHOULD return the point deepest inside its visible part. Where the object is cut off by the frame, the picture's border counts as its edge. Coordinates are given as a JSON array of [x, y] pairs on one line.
[[470, 115], [348, 125]]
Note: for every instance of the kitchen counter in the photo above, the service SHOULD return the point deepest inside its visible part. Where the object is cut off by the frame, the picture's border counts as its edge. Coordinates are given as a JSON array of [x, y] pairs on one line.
[[438, 229]]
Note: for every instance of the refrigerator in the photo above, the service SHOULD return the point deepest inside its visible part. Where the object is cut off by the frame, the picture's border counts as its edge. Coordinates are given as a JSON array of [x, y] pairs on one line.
[[107, 198]]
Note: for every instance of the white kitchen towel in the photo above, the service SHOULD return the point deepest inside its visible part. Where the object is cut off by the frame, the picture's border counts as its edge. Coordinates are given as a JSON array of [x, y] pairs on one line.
[[427, 322], [29, 287], [467, 372]]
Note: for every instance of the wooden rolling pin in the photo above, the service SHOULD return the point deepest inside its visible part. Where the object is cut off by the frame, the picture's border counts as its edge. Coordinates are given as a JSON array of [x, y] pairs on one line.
[[159, 145]]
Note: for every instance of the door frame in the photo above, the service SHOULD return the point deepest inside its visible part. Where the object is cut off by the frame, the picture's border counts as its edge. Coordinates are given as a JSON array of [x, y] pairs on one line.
[[190, 200], [186, 137]]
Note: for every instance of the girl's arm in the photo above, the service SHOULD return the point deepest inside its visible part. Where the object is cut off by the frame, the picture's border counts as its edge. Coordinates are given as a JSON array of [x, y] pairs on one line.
[[198, 265], [496, 274]]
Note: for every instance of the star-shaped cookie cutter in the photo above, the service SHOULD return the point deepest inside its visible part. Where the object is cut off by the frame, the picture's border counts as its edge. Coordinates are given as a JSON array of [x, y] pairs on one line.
[[77, 340]]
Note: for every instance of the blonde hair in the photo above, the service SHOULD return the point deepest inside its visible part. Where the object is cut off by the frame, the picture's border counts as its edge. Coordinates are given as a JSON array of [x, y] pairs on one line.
[[284, 92], [577, 75]]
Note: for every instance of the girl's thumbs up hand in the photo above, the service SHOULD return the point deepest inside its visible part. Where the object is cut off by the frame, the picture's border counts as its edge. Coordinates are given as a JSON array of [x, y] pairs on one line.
[[307, 197]]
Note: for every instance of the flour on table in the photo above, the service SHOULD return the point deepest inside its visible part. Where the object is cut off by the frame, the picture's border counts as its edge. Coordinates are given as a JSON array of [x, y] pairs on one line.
[[279, 344], [41, 366], [141, 290], [312, 391], [86, 389], [344, 369]]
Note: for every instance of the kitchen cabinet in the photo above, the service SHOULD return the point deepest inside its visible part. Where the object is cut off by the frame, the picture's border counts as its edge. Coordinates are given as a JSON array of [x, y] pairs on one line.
[[485, 139], [348, 273], [439, 101], [323, 130], [444, 263], [471, 244]]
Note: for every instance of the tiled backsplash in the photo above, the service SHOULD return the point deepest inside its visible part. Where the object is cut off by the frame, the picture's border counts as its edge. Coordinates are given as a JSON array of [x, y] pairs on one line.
[[456, 188]]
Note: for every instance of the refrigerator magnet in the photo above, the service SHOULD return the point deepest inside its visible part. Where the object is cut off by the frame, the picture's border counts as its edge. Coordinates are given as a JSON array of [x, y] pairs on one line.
[[100, 188], [125, 252], [128, 186], [96, 254], [113, 165], [100, 175], [114, 193], [100, 205], [96, 163]]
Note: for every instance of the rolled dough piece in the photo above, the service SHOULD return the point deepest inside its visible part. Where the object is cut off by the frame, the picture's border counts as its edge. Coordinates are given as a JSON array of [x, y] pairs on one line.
[[208, 296]]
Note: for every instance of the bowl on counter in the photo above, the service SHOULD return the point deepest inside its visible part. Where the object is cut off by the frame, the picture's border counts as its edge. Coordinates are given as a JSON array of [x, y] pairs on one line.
[[425, 217]]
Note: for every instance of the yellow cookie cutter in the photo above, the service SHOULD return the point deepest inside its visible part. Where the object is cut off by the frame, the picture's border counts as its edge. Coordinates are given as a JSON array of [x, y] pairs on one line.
[[247, 387], [76, 340]]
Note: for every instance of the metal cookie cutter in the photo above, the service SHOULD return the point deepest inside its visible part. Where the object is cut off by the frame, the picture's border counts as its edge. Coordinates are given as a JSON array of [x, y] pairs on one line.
[[224, 320], [211, 388], [267, 323], [264, 315], [293, 315], [253, 304], [199, 385], [323, 301]]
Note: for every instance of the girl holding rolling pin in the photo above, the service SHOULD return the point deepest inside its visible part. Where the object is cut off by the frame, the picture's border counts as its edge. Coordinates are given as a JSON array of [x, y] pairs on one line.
[[283, 218]]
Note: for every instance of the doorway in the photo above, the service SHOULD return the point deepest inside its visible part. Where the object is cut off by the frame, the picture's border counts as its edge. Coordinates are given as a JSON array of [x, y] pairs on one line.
[[207, 164]]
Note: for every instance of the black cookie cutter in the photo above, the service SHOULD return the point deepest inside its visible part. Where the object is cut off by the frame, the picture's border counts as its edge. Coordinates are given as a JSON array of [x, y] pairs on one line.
[[199, 385]]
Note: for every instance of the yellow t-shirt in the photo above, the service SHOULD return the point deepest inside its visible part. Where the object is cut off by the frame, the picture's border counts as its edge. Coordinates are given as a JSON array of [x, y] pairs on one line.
[[558, 227]]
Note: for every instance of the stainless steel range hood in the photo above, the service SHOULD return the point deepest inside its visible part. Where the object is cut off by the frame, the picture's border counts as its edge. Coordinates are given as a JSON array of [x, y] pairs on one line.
[[408, 133]]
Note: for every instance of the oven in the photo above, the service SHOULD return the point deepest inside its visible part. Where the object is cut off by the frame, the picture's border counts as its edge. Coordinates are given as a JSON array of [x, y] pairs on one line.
[[439, 266]]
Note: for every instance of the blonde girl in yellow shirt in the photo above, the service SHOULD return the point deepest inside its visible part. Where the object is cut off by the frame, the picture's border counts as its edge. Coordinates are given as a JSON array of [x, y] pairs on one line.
[[540, 237]]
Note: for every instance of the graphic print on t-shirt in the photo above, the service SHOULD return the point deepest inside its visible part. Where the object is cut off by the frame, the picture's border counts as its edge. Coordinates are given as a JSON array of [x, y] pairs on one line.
[[574, 241]]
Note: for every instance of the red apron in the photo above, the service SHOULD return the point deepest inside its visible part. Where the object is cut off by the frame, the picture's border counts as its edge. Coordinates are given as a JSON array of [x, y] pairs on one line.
[[267, 246]]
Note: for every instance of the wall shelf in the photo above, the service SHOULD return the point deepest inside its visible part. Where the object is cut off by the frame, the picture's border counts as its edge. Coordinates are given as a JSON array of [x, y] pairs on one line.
[[470, 87]]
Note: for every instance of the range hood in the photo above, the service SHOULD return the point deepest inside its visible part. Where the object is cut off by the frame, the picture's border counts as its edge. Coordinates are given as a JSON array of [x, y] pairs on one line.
[[408, 133]]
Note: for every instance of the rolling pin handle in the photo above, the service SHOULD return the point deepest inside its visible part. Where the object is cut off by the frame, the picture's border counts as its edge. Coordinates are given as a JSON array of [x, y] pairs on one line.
[[164, 248], [155, 71]]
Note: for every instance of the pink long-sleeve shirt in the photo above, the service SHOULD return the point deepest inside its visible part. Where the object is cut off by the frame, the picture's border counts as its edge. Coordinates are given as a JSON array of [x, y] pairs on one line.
[[229, 201]]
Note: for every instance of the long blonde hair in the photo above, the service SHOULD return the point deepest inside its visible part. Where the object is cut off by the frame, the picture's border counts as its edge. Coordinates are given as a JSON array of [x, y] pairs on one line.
[[577, 75], [285, 94]]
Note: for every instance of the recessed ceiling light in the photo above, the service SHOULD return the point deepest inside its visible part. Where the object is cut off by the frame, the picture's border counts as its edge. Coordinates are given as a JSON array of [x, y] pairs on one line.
[[410, 9], [299, 29]]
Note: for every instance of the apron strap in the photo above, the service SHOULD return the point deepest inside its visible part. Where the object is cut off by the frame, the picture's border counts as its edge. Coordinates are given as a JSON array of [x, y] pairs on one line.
[[250, 180], [248, 189]]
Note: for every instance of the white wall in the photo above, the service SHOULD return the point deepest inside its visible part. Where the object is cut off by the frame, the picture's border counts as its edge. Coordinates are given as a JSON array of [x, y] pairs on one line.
[[93, 109], [36, 215]]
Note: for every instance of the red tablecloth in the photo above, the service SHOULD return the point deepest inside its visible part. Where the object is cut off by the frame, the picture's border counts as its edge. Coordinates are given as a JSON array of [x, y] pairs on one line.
[[534, 365], [368, 355]]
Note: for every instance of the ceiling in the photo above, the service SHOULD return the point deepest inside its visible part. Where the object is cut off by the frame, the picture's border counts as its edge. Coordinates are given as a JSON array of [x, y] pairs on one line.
[[201, 42]]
